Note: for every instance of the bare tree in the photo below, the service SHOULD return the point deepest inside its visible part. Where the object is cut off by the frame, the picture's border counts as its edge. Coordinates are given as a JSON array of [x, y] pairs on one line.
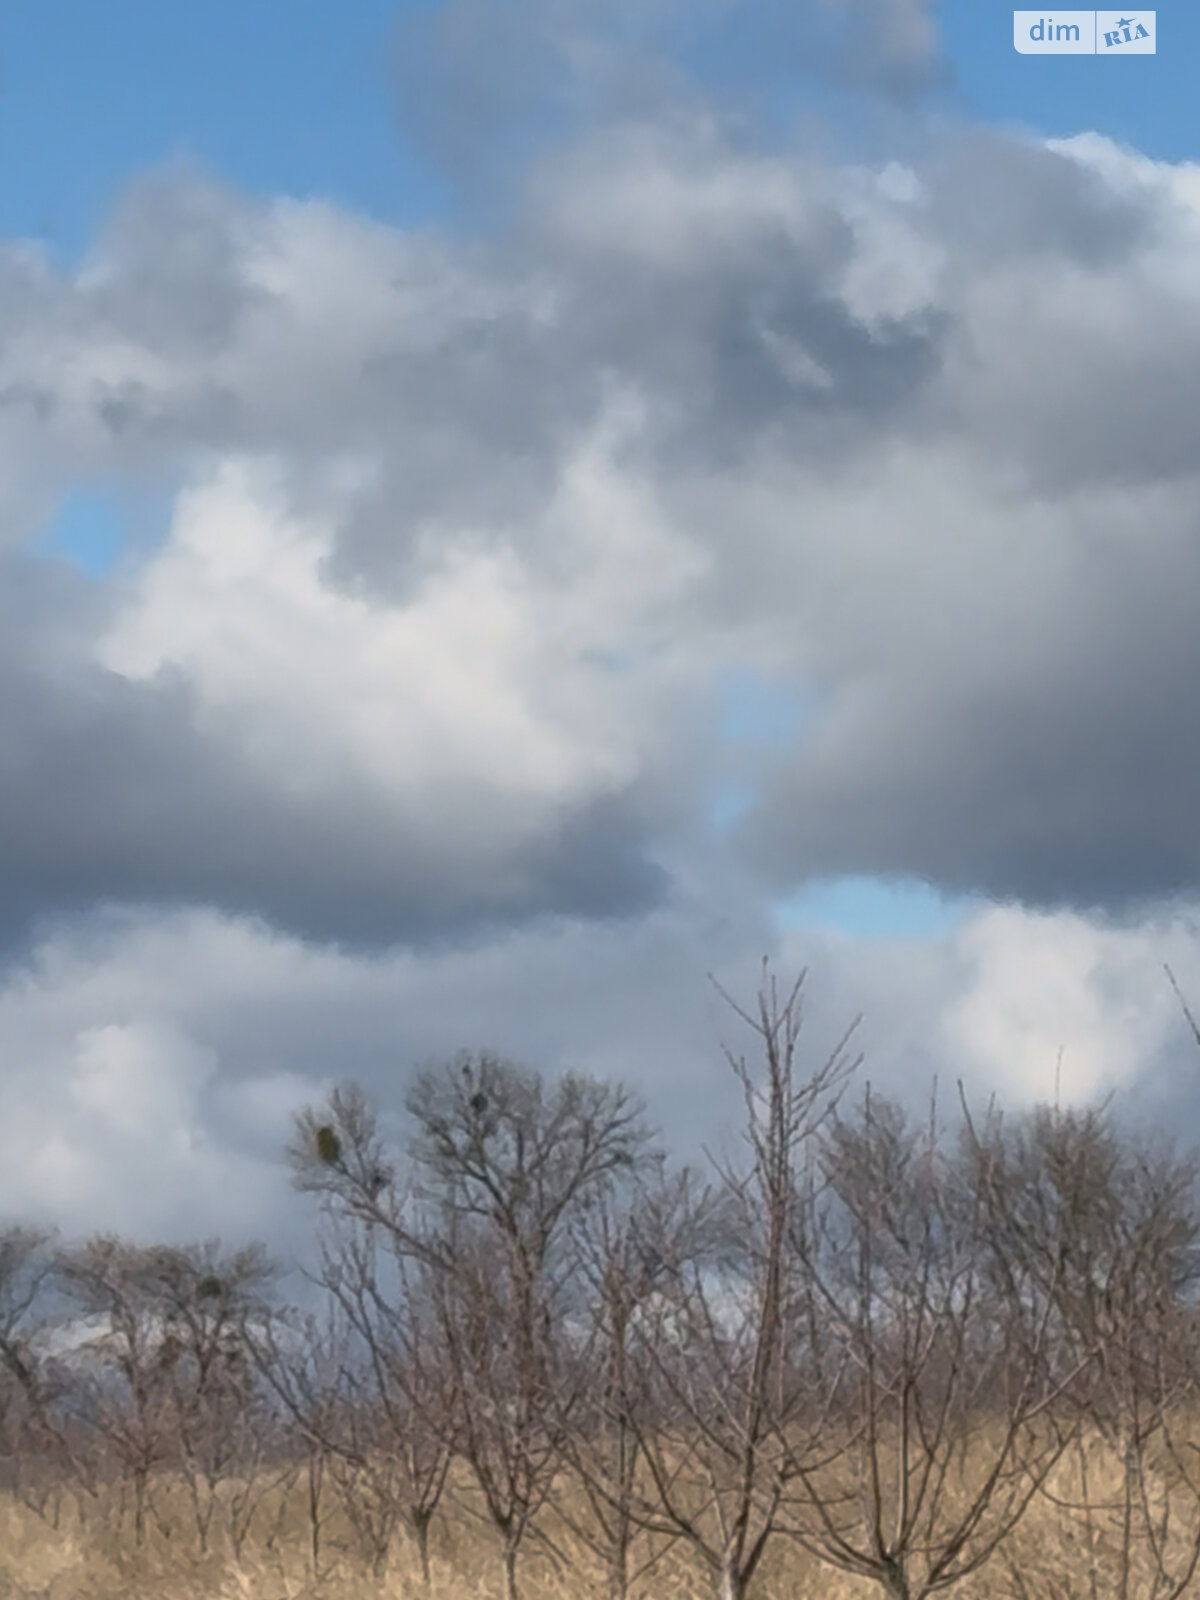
[[708, 1377], [32, 1445], [124, 1385], [403, 1422], [1123, 1279], [627, 1246], [25, 1268], [500, 1162], [504, 1165], [205, 1304], [953, 1424], [304, 1359]]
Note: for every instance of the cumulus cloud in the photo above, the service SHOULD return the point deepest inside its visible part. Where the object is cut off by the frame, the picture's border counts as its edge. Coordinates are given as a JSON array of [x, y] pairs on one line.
[[455, 568], [1055, 1006], [155, 1060], [411, 727]]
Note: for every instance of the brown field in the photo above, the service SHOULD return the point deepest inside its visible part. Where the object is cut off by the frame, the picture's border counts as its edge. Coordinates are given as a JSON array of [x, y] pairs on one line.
[[81, 1547]]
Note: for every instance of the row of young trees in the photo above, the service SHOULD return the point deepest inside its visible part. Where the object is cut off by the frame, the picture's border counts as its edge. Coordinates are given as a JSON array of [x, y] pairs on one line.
[[872, 1339]]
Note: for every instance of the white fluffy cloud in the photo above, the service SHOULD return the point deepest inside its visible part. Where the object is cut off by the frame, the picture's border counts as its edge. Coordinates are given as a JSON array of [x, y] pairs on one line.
[[1054, 1003], [492, 674], [407, 736], [156, 1061]]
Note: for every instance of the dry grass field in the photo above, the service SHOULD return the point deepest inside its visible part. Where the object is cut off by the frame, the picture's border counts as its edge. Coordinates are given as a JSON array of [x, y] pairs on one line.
[[98, 1561], [82, 1548]]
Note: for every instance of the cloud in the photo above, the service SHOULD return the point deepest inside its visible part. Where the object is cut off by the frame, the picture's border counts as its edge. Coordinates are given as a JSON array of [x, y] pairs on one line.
[[410, 727], [890, 46], [436, 628], [484, 87], [155, 1060], [1041, 985]]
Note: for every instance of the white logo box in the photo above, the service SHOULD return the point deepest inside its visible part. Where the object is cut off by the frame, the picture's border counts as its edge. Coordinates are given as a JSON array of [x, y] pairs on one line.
[[1085, 33]]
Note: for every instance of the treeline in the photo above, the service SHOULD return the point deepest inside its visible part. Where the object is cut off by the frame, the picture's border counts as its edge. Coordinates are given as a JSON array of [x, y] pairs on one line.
[[896, 1346]]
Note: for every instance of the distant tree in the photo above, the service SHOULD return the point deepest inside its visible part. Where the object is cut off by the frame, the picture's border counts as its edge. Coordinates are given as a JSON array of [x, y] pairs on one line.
[[1105, 1223], [165, 1377], [304, 1358], [123, 1392], [724, 1405], [32, 1445], [206, 1303], [500, 1163], [393, 1453], [955, 1400], [627, 1246]]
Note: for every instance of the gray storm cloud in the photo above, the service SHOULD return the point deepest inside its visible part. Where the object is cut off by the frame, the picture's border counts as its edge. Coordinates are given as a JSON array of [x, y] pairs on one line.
[[458, 559], [415, 708]]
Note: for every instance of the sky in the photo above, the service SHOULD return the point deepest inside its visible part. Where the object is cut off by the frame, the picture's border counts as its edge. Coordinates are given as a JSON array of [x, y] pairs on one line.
[[511, 507]]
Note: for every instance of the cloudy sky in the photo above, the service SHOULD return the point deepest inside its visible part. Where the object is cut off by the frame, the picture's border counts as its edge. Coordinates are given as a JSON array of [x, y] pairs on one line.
[[506, 512]]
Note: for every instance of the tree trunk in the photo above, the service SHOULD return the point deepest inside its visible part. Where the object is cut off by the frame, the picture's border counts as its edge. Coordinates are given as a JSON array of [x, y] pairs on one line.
[[619, 1570], [896, 1583], [511, 1591], [421, 1536], [139, 1507], [733, 1584], [315, 1466]]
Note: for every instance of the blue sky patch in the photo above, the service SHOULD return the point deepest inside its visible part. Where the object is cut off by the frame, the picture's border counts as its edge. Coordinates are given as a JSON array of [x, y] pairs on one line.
[[873, 908], [295, 99], [88, 531], [757, 712], [95, 527]]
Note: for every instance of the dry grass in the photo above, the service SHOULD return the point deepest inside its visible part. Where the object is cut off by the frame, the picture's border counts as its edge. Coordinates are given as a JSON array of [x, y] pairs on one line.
[[97, 1560], [83, 1549]]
